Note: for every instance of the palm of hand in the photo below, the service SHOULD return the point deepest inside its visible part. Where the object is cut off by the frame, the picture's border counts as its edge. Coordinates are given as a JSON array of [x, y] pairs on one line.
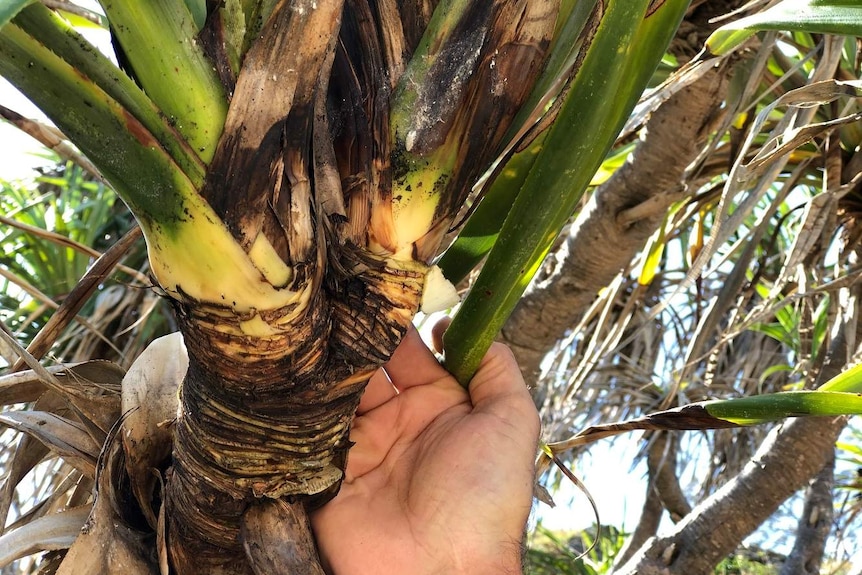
[[439, 481]]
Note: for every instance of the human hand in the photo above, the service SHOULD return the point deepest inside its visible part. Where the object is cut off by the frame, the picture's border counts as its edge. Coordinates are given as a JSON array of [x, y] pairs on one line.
[[439, 481]]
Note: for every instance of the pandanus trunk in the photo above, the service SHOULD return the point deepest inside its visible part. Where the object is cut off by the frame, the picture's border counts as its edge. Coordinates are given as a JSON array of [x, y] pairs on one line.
[[271, 389], [266, 416]]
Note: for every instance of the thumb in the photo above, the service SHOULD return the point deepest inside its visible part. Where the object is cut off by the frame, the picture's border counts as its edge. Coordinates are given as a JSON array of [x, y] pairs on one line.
[[498, 388]]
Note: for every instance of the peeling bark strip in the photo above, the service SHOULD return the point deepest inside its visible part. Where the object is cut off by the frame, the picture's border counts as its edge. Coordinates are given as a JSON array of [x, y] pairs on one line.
[[269, 416], [268, 126]]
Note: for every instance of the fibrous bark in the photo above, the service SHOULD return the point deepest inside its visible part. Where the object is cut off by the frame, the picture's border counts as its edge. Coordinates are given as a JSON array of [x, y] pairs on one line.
[[268, 417], [310, 177]]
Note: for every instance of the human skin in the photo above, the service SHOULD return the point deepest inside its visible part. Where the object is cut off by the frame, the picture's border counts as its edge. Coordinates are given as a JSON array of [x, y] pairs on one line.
[[439, 481]]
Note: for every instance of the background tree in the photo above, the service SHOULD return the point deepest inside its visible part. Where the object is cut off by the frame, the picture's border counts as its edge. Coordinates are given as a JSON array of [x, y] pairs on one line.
[[775, 309]]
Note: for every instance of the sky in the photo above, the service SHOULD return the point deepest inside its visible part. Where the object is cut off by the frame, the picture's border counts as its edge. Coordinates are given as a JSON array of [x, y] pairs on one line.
[[17, 149]]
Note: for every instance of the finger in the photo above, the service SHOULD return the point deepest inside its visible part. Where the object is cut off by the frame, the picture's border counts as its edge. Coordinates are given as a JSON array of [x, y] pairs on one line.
[[498, 387], [373, 436], [437, 333], [366, 454], [413, 364], [378, 391]]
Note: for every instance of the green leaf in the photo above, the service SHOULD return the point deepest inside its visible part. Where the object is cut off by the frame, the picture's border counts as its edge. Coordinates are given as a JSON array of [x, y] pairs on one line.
[[198, 10], [78, 22], [848, 381], [234, 32], [159, 39], [625, 50], [256, 12], [772, 370], [480, 233], [772, 406], [126, 153], [9, 8], [567, 45], [776, 332], [55, 34], [725, 413], [819, 16], [654, 251]]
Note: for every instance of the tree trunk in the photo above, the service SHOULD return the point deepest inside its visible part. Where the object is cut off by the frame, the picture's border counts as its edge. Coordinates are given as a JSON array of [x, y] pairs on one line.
[[663, 492], [791, 454], [314, 180], [815, 524], [268, 417]]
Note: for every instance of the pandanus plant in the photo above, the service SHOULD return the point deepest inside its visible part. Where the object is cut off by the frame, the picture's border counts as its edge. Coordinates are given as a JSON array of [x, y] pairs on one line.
[[295, 167]]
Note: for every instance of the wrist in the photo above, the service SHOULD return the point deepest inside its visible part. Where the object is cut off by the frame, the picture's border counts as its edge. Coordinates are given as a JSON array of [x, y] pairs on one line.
[[506, 558]]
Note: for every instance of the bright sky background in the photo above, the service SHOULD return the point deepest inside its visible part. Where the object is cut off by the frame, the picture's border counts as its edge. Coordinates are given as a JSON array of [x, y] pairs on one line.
[[17, 148]]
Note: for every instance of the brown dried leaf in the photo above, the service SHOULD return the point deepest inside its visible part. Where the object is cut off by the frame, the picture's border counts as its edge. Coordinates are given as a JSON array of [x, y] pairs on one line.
[[692, 417], [108, 544], [56, 531], [162, 543], [28, 453], [24, 386], [67, 438], [150, 402], [79, 296], [92, 387]]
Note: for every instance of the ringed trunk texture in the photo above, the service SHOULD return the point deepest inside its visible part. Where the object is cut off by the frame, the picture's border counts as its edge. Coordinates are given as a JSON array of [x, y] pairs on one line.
[[268, 416]]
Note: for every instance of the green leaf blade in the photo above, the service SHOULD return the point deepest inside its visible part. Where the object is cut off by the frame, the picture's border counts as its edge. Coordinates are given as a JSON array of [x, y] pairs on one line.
[[773, 406], [482, 229], [816, 16], [137, 166], [618, 64], [849, 380], [63, 40], [159, 38], [10, 8]]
